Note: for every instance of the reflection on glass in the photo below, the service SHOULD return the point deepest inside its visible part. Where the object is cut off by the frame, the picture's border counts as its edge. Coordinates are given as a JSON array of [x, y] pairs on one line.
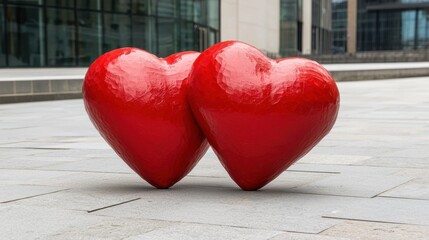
[[167, 32], [90, 37], [25, 36], [144, 7], [34, 2], [86, 4], [408, 29], [74, 32], [212, 38], [423, 29], [2, 40], [289, 28], [121, 6], [61, 37], [60, 3], [187, 33], [117, 31], [200, 12], [166, 8], [187, 9], [213, 13], [144, 33]]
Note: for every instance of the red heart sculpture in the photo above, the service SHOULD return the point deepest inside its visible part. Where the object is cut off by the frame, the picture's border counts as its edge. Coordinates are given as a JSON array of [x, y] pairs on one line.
[[260, 115], [138, 103]]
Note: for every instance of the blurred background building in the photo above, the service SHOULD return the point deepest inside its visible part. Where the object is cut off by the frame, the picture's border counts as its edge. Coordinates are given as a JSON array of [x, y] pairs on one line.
[[72, 33], [379, 25], [54, 33]]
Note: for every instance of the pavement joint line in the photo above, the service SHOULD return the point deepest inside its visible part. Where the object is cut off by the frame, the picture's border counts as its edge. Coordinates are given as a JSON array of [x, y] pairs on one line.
[[33, 196], [393, 188], [38, 148], [377, 166], [113, 205], [389, 119], [213, 224], [287, 170], [71, 171], [373, 221], [405, 198], [320, 194]]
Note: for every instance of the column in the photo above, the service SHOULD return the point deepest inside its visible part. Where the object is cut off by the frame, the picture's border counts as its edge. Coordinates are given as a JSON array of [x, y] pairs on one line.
[[306, 26], [351, 26]]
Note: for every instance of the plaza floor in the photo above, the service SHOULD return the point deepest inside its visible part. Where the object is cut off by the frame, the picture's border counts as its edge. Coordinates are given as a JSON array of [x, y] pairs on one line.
[[368, 179]]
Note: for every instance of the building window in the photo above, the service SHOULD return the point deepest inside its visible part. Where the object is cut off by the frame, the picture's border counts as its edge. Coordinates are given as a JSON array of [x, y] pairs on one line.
[[25, 36], [37, 33], [339, 26], [2, 38], [392, 25]]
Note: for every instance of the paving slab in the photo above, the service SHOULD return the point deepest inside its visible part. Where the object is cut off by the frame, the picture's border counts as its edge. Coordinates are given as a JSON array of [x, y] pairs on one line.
[[332, 159], [24, 222], [11, 193], [416, 189], [187, 231], [372, 167], [390, 210], [360, 230], [358, 185], [275, 209], [399, 162]]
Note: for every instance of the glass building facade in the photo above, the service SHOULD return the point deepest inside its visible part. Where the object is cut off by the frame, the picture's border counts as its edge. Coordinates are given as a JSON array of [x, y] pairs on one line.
[[291, 27], [321, 34], [393, 25], [53, 33], [339, 26]]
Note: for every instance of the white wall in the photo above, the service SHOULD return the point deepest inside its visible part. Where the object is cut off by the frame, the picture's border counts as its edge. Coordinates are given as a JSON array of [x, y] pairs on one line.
[[256, 22]]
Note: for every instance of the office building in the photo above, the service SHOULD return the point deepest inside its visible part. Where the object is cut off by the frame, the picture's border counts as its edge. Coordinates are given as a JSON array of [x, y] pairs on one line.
[[279, 27], [380, 25], [53, 33]]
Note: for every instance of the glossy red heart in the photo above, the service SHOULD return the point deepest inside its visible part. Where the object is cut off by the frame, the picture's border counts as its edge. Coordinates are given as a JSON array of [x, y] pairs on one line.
[[138, 103], [260, 115]]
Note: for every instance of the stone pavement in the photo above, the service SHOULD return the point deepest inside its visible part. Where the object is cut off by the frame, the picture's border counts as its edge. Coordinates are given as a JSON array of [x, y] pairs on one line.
[[368, 179]]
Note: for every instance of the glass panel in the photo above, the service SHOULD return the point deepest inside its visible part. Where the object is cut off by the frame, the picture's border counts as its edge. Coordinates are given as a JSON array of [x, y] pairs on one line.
[[144, 7], [167, 37], [339, 26], [200, 15], [213, 13], [61, 3], [187, 9], [90, 40], [25, 36], [187, 35], [33, 2], [122, 6], [212, 38], [423, 29], [408, 29], [167, 8], [2, 40], [117, 31], [86, 4], [144, 34], [61, 37]]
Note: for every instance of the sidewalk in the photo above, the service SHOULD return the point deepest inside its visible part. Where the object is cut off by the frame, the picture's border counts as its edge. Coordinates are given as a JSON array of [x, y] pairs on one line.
[[368, 179], [41, 84]]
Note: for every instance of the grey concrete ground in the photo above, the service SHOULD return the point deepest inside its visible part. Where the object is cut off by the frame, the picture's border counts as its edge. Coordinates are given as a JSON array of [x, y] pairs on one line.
[[368, 179]]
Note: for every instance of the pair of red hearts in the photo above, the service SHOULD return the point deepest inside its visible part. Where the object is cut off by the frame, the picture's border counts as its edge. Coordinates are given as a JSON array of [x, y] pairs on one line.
[[259, 115]]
